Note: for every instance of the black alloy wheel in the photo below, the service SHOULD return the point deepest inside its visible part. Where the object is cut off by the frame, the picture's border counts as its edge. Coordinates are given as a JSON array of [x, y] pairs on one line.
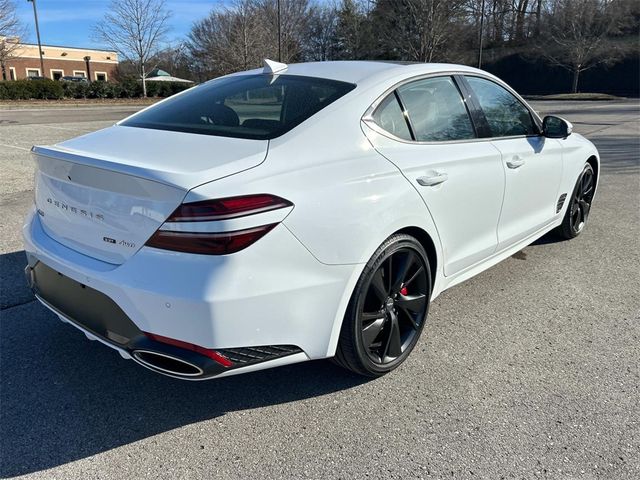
[[578, 210], [388, 308]]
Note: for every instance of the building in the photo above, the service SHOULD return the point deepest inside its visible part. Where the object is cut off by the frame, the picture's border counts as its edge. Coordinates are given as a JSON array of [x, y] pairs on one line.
[[93, 64]]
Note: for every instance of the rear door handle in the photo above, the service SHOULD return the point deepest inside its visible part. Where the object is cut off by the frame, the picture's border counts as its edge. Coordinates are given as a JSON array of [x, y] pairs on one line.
[[432, 180], [515, 162]]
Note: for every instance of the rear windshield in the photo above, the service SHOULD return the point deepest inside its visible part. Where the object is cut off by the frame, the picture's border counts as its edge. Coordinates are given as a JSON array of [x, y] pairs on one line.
[[245, 106]]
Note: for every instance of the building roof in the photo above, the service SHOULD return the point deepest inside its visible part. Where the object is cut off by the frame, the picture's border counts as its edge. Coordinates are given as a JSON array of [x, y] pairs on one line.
[[35, 45], [167, 78], [158, 75]]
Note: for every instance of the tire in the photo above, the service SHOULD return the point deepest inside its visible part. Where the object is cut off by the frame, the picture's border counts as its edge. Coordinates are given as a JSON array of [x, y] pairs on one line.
[[575, 218], [387, 310]]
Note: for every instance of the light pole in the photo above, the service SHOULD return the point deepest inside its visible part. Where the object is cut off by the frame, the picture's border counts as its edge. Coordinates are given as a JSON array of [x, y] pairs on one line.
[[35, 16], [87, 59], [279, 35], [481, 35]]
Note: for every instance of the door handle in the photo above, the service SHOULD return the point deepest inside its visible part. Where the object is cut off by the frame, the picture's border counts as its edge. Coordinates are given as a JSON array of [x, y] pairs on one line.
[[432, 180], [515, 162]]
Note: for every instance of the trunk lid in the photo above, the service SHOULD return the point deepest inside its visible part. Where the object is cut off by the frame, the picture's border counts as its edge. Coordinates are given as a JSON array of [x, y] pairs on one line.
[[104, 194]]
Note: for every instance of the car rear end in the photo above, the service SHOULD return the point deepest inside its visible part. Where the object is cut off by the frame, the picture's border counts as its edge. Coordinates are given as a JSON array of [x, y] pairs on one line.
[[192, 290]]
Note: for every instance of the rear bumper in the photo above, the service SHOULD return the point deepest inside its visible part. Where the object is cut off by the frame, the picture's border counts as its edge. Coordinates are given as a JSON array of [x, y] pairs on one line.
[[274, 293], [100, 318]]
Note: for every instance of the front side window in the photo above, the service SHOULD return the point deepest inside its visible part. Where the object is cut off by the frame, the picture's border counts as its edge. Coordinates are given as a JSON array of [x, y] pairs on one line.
[[506, 115], [390, 118], [436, 110], [245, 106]]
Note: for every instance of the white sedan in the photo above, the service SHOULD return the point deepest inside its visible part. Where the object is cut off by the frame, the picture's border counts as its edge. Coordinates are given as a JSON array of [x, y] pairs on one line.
[[297, 212]]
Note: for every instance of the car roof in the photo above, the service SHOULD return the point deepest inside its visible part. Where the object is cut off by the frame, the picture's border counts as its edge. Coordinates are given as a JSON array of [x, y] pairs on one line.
[[363, 71]]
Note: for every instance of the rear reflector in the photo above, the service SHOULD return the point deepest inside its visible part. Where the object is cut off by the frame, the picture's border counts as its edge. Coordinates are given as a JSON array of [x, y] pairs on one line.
[[207, 352], [222, 243], [224, 208]]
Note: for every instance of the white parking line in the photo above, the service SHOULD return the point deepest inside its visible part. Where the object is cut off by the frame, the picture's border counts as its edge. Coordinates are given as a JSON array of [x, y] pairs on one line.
[[15, 146], [66, 128]]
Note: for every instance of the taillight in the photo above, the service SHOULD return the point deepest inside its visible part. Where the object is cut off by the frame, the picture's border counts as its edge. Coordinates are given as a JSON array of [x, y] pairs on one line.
[[216, 242], [207, 352], [208, 243], [225, 208]]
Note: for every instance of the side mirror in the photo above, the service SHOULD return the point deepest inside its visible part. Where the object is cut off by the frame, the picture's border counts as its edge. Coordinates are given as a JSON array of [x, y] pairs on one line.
[[556, 127]]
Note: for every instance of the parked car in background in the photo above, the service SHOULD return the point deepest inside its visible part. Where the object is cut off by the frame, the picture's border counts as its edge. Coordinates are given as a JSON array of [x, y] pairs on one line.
[[76, 79], [297, 212]]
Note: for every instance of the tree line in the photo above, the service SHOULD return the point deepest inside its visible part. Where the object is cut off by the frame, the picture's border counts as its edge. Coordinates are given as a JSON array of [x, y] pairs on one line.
[[576, 35]]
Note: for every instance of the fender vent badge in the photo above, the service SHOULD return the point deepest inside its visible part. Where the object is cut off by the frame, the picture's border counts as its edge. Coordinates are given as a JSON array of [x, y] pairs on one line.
[[561, 202]]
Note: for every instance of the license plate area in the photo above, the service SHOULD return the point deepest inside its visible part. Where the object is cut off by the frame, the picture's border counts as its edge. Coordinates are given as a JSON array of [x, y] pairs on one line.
[[85, 306]]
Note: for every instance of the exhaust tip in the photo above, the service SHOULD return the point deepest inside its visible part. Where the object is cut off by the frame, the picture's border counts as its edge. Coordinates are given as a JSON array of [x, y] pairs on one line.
[[167, 364]]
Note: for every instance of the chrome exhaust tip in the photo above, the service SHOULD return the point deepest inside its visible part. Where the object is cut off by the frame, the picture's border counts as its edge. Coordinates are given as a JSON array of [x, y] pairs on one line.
[[167, 364]]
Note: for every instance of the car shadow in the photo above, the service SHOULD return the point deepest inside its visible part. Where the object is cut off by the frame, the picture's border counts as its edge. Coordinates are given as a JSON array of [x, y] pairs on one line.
[[549, 238], [64, 398]]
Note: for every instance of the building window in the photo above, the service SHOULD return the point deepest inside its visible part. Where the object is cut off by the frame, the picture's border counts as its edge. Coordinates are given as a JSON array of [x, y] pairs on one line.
[[57, 74], [12, 73], [79, 73], [101, 76], [33, 72]]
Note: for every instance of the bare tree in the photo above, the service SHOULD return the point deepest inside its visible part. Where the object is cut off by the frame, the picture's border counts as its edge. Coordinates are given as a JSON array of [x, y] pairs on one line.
[[353, 34], [229, 39], [294, 27], [10, 31], [420, 30], [174, 59], [323, 21], [134, 29], [433, 23], [240, 34], [578, 34], [499, 19], [520, 8]]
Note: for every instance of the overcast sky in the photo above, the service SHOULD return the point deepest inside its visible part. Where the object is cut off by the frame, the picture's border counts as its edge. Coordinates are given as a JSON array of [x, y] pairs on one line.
[[69, 22]]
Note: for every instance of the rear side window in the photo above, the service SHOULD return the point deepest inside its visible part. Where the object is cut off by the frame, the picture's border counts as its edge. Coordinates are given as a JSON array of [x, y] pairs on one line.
[[390, 118], [506, 115], [245, 106], [436, 110]]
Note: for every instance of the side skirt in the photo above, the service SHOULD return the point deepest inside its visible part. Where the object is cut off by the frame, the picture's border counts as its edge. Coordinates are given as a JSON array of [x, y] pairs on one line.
[[496, 258]]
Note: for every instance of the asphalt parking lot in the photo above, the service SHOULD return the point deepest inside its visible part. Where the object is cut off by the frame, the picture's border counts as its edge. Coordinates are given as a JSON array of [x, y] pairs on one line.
[[529, 370]]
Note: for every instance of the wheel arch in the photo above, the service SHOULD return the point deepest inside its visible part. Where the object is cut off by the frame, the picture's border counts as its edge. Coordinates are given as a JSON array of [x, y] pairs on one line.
[[595, 164], [429, 246], [429, 241]]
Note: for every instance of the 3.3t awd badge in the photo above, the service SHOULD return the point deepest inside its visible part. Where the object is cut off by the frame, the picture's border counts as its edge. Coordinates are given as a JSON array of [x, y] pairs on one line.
[[124, 243]]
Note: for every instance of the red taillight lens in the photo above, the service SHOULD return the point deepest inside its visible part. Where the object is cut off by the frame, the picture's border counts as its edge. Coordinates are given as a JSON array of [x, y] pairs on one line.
[[224, 208], [207, 352], [222, 243], [181, 239]]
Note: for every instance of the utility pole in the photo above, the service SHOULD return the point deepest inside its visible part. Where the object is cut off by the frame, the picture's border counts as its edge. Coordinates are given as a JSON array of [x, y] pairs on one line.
[[35, 16], [481, 35], [87, 59], [279, 35]]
